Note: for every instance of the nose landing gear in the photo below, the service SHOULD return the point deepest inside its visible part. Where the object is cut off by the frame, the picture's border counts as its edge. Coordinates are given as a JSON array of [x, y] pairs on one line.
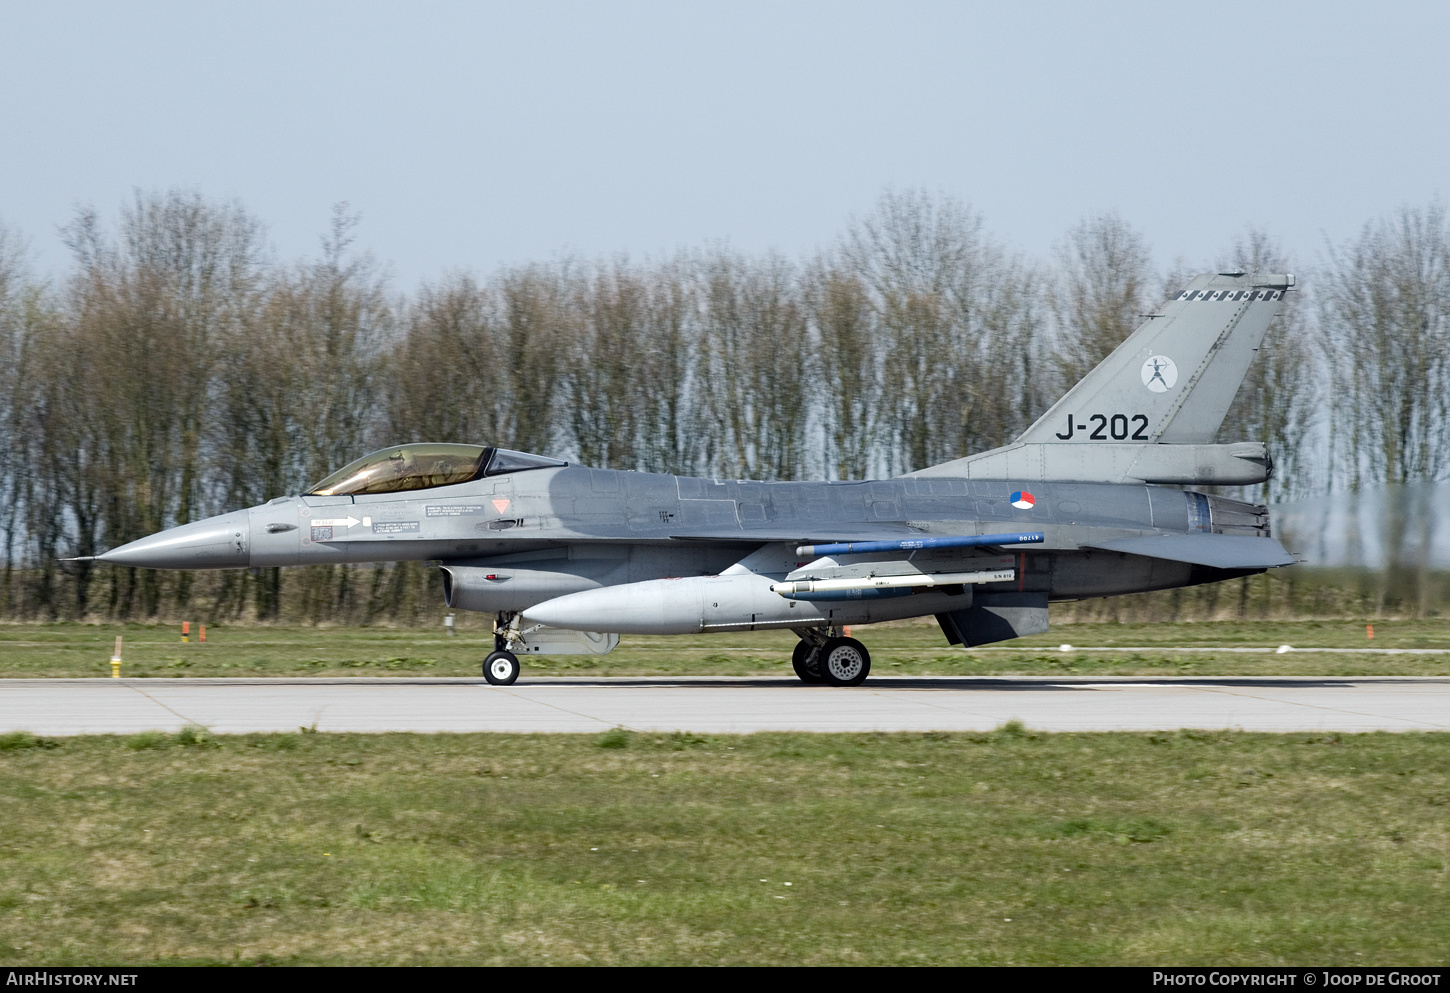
[[501, 667]]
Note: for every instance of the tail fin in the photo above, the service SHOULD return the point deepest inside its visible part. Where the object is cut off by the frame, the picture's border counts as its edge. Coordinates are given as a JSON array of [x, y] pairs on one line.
[[1149, 411], [1173, 379]]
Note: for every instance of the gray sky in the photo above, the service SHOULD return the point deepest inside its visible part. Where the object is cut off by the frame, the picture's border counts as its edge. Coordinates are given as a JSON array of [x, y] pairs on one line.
[[472, 134]]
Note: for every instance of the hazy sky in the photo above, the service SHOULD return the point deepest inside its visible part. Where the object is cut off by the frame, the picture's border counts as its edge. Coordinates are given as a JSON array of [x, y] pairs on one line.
[[470, 134]]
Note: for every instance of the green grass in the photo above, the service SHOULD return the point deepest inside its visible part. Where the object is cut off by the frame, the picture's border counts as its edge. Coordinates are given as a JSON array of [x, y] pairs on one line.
[[1182, 848], [911, 648]]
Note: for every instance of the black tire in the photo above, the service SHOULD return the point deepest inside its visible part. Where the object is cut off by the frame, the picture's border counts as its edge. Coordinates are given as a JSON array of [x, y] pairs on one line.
[[845, 662], [501, 668], [806, 661]]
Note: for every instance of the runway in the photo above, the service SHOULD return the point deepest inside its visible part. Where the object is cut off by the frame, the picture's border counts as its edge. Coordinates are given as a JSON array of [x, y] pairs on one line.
[[58, 707]]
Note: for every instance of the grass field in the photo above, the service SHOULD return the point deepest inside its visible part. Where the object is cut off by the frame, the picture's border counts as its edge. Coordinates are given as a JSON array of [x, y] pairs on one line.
[[912, 648], [1185, 848]]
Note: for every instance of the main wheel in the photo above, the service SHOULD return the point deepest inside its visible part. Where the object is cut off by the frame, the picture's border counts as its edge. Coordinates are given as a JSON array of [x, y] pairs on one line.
[[806, 661], [501, 668], [844, 662]]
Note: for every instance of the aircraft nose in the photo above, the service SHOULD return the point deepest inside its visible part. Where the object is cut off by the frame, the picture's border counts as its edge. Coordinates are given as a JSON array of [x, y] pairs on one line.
[[215, 543]]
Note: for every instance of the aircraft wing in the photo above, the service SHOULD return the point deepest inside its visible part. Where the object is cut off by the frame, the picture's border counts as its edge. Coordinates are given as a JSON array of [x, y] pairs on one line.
[[1220, 551], [804, 535]]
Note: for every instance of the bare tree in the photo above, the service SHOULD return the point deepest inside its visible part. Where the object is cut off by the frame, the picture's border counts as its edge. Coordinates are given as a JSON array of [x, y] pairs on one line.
[[850, 363], [532, 318], [668, 373], [605, 347], [443, 373], [13, 402], [955, 327], [757, 379], [631, 359], [1101, 293], [481, 362], [1385, 310]]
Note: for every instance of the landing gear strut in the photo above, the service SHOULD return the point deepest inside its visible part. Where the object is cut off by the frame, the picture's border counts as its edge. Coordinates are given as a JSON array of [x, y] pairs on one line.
[[501, 667], [806, 661], [821, 656]]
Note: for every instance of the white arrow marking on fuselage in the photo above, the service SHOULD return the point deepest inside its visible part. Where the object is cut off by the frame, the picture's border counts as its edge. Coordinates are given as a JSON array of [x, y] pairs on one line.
[[336, 522]]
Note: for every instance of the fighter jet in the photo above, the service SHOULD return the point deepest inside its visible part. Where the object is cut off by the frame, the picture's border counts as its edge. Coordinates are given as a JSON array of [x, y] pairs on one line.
[[1086, 503]]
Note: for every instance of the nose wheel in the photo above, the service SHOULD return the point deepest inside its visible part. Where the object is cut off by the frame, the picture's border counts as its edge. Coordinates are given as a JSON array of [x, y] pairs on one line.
[[501, 668]]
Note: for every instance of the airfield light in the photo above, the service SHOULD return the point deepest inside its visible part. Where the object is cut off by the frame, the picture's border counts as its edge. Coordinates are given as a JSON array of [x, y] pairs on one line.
[[116, 660], [185, 630]]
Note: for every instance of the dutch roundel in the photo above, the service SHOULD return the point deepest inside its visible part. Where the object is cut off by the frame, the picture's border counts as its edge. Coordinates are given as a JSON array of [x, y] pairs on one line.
[[1022, 500]]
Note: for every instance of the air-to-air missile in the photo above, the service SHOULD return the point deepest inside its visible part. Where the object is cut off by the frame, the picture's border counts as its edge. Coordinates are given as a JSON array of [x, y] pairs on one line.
[[567, 557]]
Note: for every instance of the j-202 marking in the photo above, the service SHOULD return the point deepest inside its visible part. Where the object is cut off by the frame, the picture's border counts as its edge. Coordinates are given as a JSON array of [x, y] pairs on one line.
[[1105, 427]]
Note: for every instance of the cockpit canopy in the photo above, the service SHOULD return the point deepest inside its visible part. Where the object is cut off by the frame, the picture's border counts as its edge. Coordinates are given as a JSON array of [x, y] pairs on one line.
[[420, 467]]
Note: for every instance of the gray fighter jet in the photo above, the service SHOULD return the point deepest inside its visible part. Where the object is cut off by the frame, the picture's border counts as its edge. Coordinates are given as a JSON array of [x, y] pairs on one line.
[[568, 558]]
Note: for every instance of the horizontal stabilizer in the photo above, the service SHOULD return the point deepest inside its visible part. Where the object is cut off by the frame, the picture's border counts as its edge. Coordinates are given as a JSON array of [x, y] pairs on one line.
[[1219, 551]]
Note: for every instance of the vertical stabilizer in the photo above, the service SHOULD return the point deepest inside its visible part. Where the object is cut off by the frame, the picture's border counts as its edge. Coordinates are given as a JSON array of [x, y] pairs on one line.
[[1173, 379], [1149, 411]]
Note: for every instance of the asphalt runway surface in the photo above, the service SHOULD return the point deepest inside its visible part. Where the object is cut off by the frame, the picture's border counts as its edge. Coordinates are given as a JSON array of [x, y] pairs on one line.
[[56, 707]]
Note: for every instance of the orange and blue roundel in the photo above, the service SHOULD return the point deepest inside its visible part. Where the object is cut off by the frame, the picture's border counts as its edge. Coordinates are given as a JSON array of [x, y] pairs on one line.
[[1022, 500]]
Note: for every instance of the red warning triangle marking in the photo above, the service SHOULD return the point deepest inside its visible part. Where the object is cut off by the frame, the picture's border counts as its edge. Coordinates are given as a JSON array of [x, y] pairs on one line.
[[501, 505]]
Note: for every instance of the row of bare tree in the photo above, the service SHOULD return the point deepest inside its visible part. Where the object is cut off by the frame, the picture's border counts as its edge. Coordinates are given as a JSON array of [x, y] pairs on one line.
[[177, 370]]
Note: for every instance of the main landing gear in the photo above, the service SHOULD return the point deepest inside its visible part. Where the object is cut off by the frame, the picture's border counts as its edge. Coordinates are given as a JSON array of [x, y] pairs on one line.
[[501, 667], [822, 656]]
